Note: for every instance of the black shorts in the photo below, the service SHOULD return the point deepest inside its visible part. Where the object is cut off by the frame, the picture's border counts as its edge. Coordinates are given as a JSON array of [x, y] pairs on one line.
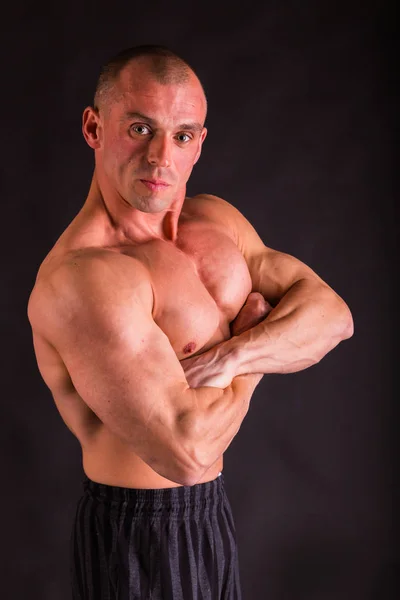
[[170, 544]]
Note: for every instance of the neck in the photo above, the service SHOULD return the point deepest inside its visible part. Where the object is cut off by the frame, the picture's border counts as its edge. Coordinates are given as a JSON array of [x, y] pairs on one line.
[[128, 224]]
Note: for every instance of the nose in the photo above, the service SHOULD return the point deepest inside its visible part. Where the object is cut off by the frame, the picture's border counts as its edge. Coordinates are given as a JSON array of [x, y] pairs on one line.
[[159, 151]]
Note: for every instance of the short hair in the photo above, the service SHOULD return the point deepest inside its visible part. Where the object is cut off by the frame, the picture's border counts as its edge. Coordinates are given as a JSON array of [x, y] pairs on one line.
[[164, 65]]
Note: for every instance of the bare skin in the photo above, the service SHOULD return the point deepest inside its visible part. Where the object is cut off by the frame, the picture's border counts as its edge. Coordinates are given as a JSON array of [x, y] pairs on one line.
[[155, 315], [106, 458]]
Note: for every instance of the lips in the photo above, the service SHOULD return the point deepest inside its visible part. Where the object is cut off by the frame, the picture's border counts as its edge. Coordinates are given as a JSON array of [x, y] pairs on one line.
[[155, 184], [156, 181]]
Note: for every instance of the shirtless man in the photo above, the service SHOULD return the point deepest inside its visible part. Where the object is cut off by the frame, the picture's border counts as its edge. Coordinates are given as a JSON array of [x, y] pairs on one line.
[[154, 317]]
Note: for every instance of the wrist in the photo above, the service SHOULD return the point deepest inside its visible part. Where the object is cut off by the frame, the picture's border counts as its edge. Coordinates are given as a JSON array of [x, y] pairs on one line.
[[230, 355]]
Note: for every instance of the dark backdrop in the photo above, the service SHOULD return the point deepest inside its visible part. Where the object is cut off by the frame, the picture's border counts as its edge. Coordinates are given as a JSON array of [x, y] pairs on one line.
[[300, 140]]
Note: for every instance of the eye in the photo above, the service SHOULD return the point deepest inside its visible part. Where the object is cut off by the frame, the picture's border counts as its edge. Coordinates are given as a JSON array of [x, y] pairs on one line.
[[183, 137], [140, 129]]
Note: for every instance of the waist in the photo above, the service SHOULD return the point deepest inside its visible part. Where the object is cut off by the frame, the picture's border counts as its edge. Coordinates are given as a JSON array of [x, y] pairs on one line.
[[109, 461], [157, 500]]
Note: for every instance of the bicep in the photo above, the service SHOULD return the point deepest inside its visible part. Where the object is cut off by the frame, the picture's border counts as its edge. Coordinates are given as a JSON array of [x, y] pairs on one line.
[[125, 371], [273, 273]]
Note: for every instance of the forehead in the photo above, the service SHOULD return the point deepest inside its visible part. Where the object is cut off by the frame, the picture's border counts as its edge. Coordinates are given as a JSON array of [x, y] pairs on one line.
[[138, 90]]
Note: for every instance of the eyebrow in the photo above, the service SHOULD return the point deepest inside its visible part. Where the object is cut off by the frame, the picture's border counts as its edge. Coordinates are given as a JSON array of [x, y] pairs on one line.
[[194, 126]]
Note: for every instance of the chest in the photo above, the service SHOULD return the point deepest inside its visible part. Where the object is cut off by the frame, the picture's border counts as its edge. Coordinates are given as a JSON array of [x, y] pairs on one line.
[[200, 283]]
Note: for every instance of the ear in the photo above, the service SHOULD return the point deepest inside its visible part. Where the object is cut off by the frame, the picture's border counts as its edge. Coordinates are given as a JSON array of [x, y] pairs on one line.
[[91, 127], [201, 140]]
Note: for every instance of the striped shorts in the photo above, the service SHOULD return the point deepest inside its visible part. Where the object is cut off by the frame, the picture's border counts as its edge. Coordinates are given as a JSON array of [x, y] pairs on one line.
[[154, 544]]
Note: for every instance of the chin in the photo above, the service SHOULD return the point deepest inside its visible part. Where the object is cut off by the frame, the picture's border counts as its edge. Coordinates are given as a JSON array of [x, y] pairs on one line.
[[151, 204]]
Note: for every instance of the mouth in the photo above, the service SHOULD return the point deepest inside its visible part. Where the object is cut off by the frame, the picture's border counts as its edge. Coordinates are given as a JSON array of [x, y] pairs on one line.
[[155, 184]]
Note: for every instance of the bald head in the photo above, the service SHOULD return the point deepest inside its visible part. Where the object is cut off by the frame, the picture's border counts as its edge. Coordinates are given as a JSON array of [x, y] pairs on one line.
[[156, 62]]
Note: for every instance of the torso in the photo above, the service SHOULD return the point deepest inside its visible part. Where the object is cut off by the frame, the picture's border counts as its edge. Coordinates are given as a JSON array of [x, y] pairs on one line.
[[200, 282]]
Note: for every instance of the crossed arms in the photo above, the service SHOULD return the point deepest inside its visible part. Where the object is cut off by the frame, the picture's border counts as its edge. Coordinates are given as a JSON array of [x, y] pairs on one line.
[[308, 318], [96, 311]]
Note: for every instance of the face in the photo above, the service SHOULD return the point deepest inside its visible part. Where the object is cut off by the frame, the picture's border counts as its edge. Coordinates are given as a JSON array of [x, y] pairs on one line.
[[149, 139]]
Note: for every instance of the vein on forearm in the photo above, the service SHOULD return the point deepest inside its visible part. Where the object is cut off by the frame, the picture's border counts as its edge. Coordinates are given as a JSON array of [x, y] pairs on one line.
[[308, 322]]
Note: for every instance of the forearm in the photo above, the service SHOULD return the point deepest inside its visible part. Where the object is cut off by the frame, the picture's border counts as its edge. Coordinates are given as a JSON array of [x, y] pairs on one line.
[[308, 322], [214, 419]]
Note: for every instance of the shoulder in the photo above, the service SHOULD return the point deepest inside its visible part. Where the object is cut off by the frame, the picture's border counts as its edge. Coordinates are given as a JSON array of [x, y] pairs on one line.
[[228, 217], [209, 204], [88, 279], [216, 210], [92, 265]]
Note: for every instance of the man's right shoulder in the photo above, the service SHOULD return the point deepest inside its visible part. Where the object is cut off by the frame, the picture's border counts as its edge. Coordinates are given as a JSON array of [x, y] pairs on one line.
[[83, 260], [86, 277]]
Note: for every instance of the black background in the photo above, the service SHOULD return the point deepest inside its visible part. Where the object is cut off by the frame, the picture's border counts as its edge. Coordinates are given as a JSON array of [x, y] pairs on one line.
[[301, 140]]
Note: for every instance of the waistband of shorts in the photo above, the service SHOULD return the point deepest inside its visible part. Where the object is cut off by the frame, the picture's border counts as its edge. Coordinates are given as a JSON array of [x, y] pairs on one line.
[[194, 495]]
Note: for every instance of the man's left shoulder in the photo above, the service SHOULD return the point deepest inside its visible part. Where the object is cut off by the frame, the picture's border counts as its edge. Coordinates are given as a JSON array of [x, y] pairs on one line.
[[215, 209], [228, 218], [210, 202]]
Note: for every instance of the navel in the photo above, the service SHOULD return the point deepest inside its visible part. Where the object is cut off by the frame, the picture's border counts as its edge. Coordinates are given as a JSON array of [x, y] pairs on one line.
[[189, 348]]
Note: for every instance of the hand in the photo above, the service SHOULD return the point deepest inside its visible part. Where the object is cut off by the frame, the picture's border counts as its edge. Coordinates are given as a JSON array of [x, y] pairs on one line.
[[215, 368], [255, 309], [208, 368]]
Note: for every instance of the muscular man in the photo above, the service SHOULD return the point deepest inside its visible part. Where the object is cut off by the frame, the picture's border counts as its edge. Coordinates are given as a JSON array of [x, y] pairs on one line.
[[154, 317]]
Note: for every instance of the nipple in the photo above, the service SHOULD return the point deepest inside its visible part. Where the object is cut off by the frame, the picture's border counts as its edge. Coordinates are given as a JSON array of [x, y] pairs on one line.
[[189, 348]]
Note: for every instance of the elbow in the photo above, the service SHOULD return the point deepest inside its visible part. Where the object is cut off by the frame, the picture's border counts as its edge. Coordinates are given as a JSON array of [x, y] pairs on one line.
[[192, 476], [186, 470], [349, 330], [341, 328], [341, 325], [175, 472], [180, 466], [192, 479], [346, 324], [186, 477]]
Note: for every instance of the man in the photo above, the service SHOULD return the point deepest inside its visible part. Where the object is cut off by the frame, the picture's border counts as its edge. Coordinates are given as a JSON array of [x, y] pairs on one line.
[[154, 317]]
